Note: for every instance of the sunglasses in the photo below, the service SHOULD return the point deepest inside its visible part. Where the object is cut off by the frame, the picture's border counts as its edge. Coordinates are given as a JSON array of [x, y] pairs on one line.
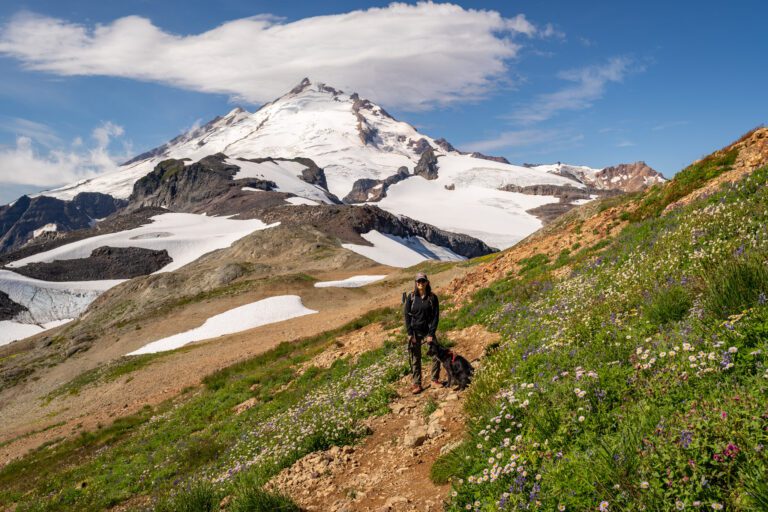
[[421, 281]]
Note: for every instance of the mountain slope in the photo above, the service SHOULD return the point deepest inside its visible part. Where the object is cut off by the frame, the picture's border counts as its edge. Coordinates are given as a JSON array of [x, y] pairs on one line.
[[626, 358]]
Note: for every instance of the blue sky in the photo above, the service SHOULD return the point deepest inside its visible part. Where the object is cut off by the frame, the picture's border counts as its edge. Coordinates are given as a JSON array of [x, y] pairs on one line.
[[590, 83]]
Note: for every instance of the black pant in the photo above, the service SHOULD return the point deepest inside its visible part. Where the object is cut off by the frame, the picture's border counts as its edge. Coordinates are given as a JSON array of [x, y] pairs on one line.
[[414, 356]]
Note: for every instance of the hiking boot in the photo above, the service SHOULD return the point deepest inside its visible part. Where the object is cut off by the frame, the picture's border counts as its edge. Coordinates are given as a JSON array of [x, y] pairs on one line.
[[416, 389], [437, 384]]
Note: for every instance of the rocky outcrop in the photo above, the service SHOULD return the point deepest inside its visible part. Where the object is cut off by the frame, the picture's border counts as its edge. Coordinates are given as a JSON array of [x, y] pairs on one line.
[[419, 146], [445, 145], [368, 134], [8, 308], [427, 166], [103, 263], [627, 177], [564, 192], [20, 220], [499, 159], [349, 222], [177, 186], [370, 190]]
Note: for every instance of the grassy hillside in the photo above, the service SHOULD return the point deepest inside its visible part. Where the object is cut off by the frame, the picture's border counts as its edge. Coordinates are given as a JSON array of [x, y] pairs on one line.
[[636, 382]]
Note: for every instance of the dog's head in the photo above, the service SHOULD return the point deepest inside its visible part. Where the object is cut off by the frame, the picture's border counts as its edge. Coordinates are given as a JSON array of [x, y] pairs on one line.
[[432, 349]]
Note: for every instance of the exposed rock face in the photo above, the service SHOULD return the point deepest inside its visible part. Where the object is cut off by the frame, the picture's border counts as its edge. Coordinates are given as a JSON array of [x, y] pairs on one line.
[[19, 221], [104, 263], [368, 134], [369, 190], [565, 193], [445, 145], [627, 177], [349, 222], [427, 166], [8, 308], [419, 146], [499, 159], [177, 186]]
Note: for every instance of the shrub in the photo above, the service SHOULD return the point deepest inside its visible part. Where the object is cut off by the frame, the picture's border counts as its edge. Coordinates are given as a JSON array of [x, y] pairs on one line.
[[250, 497], [668, 305], [196, 497], [736, 285]]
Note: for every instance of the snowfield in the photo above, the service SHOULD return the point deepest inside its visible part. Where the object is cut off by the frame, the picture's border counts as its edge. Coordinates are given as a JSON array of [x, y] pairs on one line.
[[48, 301], [186, 237], [350, 282], [12, 331], [285, 175], [263, 312], [401, 252]]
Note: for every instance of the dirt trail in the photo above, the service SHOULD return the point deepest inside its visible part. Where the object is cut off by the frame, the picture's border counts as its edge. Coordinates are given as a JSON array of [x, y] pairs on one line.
[[27, 421], [389, 470]]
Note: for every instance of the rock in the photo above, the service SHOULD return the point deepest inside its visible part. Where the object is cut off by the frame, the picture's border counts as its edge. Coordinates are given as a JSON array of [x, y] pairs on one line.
[[427, 166], [9, 308], [434, 430], [439, 413], [395, 500], [449, 447], [103, 263], [415, 436], [452, 396], [481, 156], [242, 407], [224, 503], [370, 190], [74, 349]]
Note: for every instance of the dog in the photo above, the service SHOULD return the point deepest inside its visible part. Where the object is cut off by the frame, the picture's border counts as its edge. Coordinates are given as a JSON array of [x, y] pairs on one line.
[[459, 370]]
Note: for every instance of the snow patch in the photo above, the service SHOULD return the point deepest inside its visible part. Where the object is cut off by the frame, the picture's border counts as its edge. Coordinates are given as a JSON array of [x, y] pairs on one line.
[[401, 252], [186, 237], [48, 227], [300, 200], [350, 282], [263, 312], [11, 331]]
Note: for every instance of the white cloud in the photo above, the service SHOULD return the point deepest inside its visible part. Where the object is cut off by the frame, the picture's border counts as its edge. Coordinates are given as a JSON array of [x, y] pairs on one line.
[[589, 85], [39, 132], [525, 138], [25, 164], [408, 56]]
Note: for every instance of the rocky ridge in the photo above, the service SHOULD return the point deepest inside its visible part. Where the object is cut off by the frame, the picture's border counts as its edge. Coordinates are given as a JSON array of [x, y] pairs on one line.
[[20, 220]]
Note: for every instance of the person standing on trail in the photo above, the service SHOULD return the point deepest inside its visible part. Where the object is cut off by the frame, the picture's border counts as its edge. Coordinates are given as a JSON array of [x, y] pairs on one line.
[[421, 310]]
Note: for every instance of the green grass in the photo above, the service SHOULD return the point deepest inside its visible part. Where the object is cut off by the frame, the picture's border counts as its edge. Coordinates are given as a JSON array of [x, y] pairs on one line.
[[160, 451], [620, 382]]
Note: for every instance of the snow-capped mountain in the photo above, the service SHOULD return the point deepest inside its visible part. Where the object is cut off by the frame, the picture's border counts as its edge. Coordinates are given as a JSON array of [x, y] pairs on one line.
[[359, 146], [622, 177]]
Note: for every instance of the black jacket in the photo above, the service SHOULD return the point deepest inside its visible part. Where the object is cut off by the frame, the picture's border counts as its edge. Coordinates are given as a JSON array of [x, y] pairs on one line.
[[421, 315]]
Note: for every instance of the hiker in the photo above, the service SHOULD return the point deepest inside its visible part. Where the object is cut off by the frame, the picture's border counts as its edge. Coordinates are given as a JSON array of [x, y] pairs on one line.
[[422, 313]]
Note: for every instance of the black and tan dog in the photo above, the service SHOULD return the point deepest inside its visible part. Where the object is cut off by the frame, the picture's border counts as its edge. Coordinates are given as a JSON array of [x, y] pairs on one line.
[[458, 368]]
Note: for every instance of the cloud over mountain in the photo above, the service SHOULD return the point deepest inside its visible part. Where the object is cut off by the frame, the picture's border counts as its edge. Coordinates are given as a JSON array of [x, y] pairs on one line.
[[406, 56]]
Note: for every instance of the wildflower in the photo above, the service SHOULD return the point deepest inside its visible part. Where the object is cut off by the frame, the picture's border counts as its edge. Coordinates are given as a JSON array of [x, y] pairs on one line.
[[717, 506], [644, 485], [679, 505], [603, 506], [581, 419], [686, 437], [733, 350], [561, 507]]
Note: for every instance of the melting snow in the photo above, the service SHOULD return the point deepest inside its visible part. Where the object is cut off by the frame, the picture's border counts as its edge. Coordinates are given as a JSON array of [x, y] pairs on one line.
[[401, 252], [11, 331], [48, 301], [301, 200], [350, 282], [267, 311]]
